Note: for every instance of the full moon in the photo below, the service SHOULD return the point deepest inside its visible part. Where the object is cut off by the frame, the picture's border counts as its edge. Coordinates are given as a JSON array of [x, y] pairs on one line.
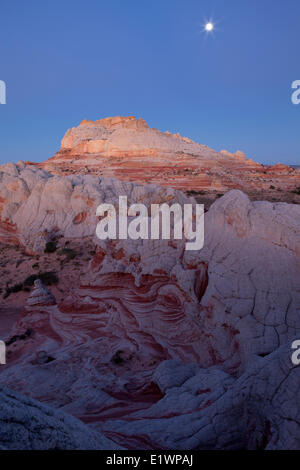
[[209, 27]]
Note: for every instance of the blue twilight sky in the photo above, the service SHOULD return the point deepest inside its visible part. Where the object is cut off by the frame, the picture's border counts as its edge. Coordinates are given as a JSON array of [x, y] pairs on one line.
[[67, 60]]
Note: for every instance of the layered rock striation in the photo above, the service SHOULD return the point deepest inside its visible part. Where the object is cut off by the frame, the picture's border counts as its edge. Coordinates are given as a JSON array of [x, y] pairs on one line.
[[159, 347], [127, 149]]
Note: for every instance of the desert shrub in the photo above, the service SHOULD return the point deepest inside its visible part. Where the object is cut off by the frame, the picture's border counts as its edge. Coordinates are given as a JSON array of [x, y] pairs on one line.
[[28, 333], [12, 290], [296, 191], [48, 278], [30, 280], [272, 187], [68, 252], [192, 192], [17, 287], [50, 247]]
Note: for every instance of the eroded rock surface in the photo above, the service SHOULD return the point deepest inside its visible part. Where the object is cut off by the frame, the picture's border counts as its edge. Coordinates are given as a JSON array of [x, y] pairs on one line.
[[208, 409], [157, 346], [26, 424], [127, 149]]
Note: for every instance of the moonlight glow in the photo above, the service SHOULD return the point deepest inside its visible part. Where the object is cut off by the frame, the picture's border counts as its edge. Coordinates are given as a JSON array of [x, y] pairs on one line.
[[209, 27]]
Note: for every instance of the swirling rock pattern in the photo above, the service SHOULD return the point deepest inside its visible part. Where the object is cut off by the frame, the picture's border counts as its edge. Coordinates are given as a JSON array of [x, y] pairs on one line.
[[40, 295], [159, 347]]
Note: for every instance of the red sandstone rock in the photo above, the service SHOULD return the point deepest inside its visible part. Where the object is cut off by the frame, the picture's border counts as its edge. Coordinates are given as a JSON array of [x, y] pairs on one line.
[[100, 354], [127, 149], [156, 346]]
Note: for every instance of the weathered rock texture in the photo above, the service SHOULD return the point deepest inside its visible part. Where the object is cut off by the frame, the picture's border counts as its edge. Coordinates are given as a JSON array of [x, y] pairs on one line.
[[38, 207], [40, 295], [208, 409], [127, 149], [26, 424], [159, 347]]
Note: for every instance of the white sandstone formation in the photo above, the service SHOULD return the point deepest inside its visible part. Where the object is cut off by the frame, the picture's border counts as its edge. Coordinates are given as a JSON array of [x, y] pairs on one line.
[[158, 346], [26, 424], [40, 295]]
